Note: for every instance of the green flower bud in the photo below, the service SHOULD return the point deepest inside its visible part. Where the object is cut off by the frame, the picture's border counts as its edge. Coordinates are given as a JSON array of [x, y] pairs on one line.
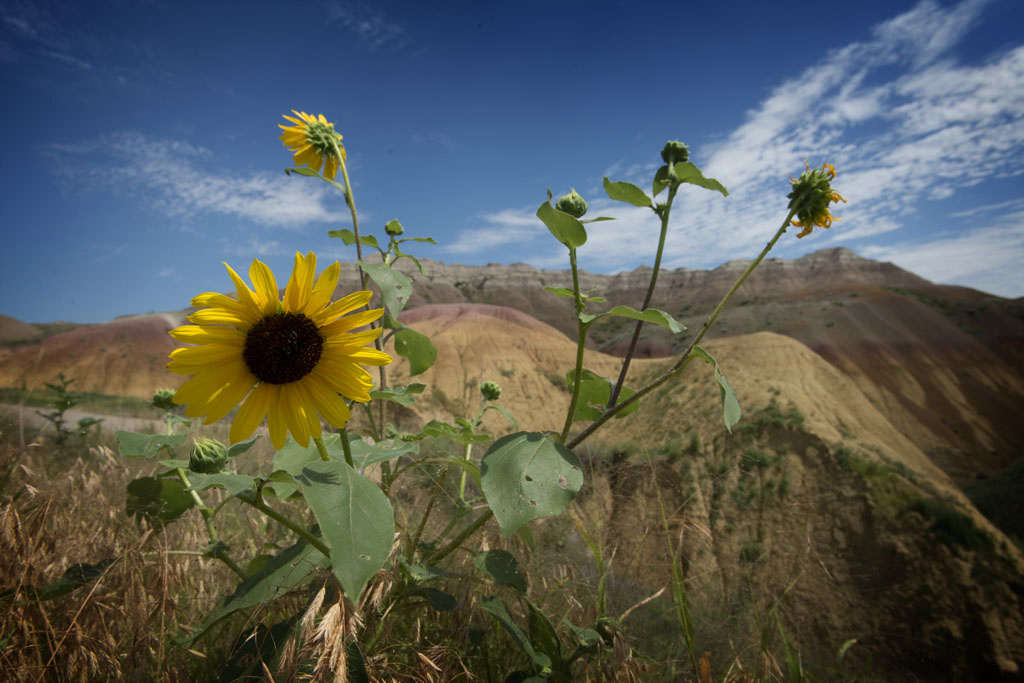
[[674, 152], [810, 198], [572, 204], [208, 456], [164, 399], [491, 390], [394, 228]]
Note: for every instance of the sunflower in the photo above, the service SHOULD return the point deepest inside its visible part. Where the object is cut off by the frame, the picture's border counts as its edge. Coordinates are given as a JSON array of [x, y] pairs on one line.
[[314, 141], [294, 358], [812, 193]]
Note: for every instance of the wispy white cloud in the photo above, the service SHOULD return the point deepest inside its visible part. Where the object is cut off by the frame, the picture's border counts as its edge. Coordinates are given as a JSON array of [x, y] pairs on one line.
[[374, 28], [178, 180], [905, 123]]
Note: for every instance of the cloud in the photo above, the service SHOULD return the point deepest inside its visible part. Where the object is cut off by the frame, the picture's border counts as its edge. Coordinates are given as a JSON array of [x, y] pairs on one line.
[[510, 226], [373, 28], [177, 179], [906, 124]]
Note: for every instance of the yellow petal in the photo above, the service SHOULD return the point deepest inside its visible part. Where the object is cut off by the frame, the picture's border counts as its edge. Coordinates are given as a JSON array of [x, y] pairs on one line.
[[229, 397], [300, 284], [328, 403], [351, 381], [350, 322], [251, 413], [323, 290], [291, 408], [308, 406], [245, 295], [222, 316], [275, 418], [266, 287], [205, 334], [346, 304], [370, 357]]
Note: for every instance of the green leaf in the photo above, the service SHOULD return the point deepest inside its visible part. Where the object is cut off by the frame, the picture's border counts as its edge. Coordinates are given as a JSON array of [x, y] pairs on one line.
[[561, 291], [502, 567], [595, 392], [661, 181], [527, 475], [462, 434], [395, 287], [649, 315], [595, 220], [566, 229], [175, 464], [402, 395], [233, 483], [401, 254], [439, 600], [688, 173], [508, 416], [626, 192], [428, 240], [356, 521], [160, 501], [365, 454], [349, 238], [135, 445], [730, 406], [241, 447], [281, 484], [288, 570], [415, 347], [74, 577], [420, 572], [293, 457], [494, 607], [303, 170], [542, 634]]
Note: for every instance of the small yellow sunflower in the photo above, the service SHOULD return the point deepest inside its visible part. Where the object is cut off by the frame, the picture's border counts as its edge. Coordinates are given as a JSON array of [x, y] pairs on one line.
[[314, 141], [812, 193], [294, 358]]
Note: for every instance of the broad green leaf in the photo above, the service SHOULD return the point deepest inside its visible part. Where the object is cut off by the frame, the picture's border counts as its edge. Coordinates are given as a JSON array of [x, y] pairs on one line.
[[356, 521], [402, 395], [661, 181], [502, 567], [135, 445], [527, 475], [174, 464], [281, 484], [566, 229], [415, 347], [626, 192], [293, 457], [595, 392], [158, 500], [688, 173], [287, 571], [395, 287], [494, 607], [461, 434], [649, 315], [231, 482], [439, 600], [349, 238], [730, 406], [542, 634]]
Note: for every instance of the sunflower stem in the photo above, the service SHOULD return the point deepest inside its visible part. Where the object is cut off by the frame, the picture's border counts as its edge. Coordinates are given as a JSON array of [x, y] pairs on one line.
[[663, 213], [256, 501], [463, 535], [322, 449], [687, 355], [426, 514], [211, 528], [581, 338], [346, 447]]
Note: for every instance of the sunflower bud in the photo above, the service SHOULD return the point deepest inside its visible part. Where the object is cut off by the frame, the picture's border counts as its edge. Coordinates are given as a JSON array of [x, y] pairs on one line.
[[811, 194], [163, 399], [208, 456], [572, 204], [675, 152], [394, 228], [491, 390]]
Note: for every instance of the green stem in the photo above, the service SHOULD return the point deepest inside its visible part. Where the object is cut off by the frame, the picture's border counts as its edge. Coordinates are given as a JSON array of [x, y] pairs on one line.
[[469, 449], [426, 515], [581, 338], [457, 541], [664, 213], [686, 357], [256, 501], [346, 447], [322, 449], [211, 528]]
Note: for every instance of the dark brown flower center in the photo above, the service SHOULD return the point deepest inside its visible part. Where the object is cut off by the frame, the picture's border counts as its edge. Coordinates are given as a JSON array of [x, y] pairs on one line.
[[283, 348]]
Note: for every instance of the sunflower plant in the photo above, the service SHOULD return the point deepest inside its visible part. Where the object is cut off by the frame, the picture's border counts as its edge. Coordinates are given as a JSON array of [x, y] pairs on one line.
[[296, 360]]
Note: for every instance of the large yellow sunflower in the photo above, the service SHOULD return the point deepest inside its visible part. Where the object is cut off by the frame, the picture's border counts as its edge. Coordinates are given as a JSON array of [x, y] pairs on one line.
[[291, 357], [314, 141]]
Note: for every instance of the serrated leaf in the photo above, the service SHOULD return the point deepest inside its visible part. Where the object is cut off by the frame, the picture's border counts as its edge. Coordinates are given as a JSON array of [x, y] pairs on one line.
[[561, 291], [730, 405], [626, 192], [349, 238], [136, 445], [502, 567], [402, 395], [285, 572], [528, 475], [160, 501], [395, 287], [649, 315], [416, 348], [356, 521], [689, 173], [237, 449], [566, 229]]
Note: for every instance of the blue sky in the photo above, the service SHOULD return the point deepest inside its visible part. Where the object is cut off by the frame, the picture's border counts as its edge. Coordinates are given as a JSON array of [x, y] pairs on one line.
[[142, 144]]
